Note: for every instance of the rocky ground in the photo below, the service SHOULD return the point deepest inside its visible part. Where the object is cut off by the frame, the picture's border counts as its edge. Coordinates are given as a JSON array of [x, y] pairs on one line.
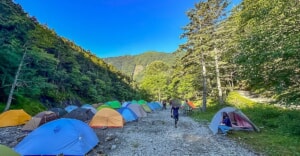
[[153, 135]]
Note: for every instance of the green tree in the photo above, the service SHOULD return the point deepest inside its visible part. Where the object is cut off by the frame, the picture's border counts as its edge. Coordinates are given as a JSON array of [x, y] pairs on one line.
[[156, 79], [268, 43], [200, 33]]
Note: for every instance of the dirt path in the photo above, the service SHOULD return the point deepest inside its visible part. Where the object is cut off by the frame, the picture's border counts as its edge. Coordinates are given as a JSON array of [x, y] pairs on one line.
[[254, 97], [156, 135], [258, 99]]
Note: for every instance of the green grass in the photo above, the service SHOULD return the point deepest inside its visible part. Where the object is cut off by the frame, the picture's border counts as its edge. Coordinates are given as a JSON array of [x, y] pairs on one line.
[[279, 128], [30, 106]]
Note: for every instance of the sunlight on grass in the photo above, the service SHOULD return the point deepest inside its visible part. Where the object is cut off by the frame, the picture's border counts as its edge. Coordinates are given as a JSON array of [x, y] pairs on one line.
[[239, 101], [279, 128], [30, 106]]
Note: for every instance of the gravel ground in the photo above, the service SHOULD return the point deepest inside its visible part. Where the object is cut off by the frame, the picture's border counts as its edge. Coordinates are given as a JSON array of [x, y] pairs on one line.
[[154, 135]]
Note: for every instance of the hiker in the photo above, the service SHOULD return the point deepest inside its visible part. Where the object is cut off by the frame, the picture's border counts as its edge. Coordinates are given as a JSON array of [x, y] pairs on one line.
[[175, 114], [164, 104], [225, 125]]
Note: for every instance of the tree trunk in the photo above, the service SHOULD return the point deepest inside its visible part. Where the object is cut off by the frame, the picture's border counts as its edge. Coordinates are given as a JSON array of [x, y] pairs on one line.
[[13, 86], [159, 95], [204, 83], [220, 93], [231, 79]]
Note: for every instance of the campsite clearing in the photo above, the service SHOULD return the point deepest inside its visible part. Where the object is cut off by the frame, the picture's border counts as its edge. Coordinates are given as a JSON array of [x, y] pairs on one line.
[[154, 135]]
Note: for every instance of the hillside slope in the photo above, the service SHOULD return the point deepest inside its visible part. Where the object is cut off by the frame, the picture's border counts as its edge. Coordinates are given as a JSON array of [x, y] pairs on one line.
[[55, 70], [134, 66]]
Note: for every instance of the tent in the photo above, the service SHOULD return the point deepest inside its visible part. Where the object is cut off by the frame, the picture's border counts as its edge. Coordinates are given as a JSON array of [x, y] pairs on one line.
[[61, 136], [39, 119], [86, 105], [138, 110], [90, 107], [14, 118], [103, 106], [146, 108], [58, 111], [114, 104], [80, 114], [128, 114], [134, 102], [191, 104], [69, 108], [141, 102], [154, 106], [6, 151], [107, 117], [125, 104], [238, 119]]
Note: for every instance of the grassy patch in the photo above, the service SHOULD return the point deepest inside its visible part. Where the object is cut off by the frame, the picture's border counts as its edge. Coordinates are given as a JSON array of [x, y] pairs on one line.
[[279, 128], [30, 106]]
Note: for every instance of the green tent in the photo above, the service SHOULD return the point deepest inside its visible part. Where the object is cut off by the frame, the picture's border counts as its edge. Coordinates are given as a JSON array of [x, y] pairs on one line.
[[103, 106], [114, 104], [146, 108], [141, 102], [4, 150], [134, 102]]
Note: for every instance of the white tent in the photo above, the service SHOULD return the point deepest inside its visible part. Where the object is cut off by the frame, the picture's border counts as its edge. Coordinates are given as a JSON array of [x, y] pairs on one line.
[[238, 119]]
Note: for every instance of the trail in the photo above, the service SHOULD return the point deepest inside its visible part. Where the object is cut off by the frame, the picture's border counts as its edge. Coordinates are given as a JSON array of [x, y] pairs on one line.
[[254, 97], [259, 99], [156, 135]]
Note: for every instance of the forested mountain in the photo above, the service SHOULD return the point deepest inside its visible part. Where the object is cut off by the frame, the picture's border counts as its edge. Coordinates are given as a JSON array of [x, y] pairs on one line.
[[134, 65], [255, 47], [51, 68]]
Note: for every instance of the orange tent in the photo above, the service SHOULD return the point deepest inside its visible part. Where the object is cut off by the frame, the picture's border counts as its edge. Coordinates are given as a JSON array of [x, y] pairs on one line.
[[191, 104], [107, 117], [14, 118]]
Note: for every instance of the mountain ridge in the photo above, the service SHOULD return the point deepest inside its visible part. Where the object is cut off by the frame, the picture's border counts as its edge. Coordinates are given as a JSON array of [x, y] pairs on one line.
[[134, 65]]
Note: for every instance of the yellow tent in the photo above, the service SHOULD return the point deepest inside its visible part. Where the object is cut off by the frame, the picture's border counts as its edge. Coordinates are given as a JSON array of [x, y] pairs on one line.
[[14, 118], [107, 117]]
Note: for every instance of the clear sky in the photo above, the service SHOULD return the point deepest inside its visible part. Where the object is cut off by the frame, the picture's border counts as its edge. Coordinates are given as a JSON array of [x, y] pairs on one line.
[[111, 28]]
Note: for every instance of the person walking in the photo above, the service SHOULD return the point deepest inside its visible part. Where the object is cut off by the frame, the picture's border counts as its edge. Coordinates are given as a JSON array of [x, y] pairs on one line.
[[175, 113], [164, 104]]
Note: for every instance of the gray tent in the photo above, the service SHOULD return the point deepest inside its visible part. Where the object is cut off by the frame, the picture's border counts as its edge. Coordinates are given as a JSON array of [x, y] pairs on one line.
[[138, 110], [59, 111], [39, 119], [80, 114], [238, 119]]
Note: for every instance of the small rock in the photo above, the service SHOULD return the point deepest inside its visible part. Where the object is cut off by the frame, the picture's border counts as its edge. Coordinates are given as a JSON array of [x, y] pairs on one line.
[[113, 147]]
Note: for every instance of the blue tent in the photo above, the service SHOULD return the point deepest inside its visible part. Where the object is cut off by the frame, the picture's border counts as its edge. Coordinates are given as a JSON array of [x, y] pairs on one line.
[[154, 106], [69, 108], [62, 136], [127, 114], [125, 104]]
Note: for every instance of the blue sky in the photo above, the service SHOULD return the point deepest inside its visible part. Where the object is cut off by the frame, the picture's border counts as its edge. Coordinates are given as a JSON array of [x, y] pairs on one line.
[[111, 28]]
